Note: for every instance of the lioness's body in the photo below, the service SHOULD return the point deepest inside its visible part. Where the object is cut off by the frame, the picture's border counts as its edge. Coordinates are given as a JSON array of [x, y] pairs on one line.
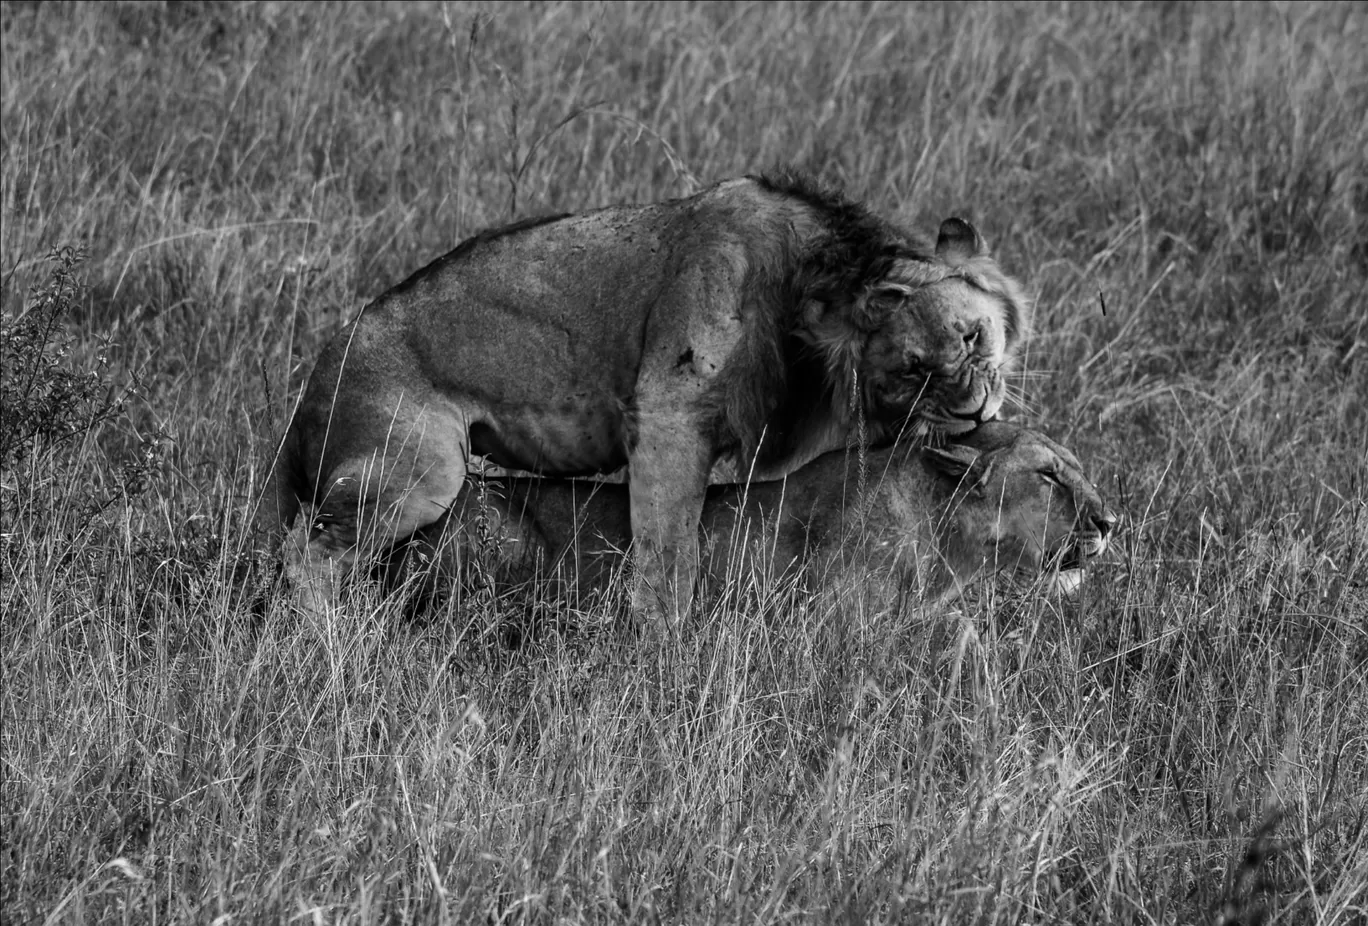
[[1001, 498], [733, 323]]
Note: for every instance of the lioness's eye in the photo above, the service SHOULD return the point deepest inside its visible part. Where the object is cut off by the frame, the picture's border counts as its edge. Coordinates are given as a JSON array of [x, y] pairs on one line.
[[1050, 477]]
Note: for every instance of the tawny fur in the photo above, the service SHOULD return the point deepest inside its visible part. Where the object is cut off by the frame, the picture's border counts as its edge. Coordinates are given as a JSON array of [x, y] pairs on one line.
[[734, 326], [1000, 499]]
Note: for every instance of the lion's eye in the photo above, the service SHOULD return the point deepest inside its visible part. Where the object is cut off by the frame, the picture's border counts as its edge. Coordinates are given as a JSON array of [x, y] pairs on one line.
[[1051, 477]]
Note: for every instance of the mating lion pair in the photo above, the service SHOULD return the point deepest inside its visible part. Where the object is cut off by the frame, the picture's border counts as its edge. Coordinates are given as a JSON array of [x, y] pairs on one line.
[[742, 332]]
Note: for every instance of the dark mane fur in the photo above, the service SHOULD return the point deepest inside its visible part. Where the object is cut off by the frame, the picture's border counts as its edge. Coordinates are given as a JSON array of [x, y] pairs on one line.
[[859, 248], [797, 381]]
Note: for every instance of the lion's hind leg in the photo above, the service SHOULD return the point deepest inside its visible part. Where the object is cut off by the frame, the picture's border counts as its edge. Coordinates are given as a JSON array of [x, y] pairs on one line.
[[370, 500]]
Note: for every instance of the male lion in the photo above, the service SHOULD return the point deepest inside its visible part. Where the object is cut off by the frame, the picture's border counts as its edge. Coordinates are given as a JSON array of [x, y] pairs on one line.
[[743, 322], [999, 499]]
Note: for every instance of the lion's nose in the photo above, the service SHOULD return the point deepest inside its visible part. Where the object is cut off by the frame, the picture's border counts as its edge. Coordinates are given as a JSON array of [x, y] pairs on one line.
[[1105, 522], [970, 335]]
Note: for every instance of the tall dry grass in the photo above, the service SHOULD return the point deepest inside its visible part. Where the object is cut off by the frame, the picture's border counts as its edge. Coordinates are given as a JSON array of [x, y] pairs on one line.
[[1183, 187]]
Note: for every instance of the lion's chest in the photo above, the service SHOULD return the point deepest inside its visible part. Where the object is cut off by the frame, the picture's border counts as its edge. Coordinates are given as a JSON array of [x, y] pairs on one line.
[[572, 437]]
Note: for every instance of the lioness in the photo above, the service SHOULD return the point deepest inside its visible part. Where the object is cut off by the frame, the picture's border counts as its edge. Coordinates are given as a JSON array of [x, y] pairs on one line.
[[1002, 498], [757, 321]]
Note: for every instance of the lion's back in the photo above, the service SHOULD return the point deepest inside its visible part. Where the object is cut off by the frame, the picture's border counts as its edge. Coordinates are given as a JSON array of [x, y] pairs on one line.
[[566, 305], [541, 306]]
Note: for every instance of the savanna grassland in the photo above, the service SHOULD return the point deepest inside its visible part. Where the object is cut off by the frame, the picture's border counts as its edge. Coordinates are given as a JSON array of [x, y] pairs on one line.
[[1182, 187]]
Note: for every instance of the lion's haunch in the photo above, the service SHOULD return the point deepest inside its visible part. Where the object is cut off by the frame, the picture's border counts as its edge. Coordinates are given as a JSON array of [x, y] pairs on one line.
[[732, 324]]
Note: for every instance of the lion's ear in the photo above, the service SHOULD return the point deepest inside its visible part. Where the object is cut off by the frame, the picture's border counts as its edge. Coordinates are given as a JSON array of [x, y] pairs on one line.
[[956, 461], [878, 300], [959, 241]]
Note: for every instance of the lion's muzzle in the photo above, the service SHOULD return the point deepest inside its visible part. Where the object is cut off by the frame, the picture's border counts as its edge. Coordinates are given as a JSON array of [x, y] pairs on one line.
[[1090, 540]]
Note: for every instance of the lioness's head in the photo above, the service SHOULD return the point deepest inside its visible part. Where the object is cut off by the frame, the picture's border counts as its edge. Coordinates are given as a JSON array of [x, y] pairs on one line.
[[1022, 502], [948, 329]]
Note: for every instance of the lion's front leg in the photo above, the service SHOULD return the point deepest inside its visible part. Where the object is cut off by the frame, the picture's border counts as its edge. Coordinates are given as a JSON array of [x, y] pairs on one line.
[[669, 476]]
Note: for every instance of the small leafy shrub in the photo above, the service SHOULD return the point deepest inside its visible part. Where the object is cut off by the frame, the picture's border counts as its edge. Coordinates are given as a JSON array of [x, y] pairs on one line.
[[52, 410], [44, 403]]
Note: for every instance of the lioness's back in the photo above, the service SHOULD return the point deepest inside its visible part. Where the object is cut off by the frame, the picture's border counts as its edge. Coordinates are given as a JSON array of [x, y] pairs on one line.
[[1006, 498], [586, 528]]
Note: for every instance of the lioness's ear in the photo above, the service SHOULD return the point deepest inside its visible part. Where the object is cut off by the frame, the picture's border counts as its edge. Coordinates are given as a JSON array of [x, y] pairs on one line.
[[956, 461], [959, 241]]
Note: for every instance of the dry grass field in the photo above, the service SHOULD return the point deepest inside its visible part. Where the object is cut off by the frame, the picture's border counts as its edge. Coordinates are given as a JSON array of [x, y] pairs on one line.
[[1184, 189]]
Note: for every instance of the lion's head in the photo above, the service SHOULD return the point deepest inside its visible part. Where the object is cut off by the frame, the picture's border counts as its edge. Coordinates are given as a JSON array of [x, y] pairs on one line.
[[1022, 502], [947, 330]]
